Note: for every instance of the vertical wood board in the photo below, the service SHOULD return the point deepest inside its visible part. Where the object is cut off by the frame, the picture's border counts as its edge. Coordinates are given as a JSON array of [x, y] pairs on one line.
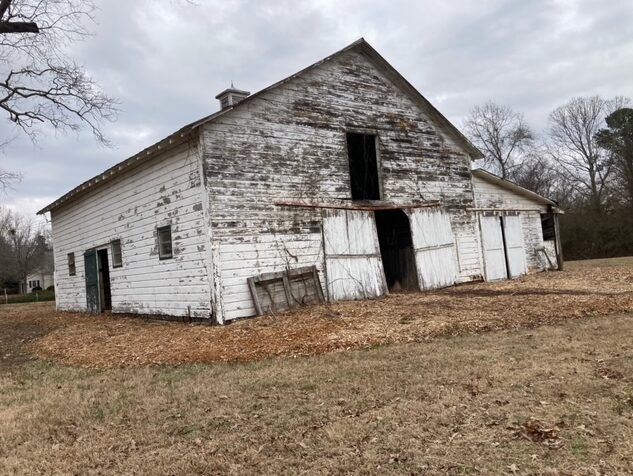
[[493, 250], [352, 254], [434, 245], [514, 245]]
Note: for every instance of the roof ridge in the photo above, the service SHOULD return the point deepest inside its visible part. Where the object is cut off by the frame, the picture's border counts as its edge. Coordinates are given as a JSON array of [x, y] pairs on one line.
[[148, 152]]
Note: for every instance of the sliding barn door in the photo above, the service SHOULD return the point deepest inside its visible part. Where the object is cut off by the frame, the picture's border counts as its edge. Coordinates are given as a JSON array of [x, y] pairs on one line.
[[493, 248], [92, 281], [352, 255], [434, 246], [517, 264]]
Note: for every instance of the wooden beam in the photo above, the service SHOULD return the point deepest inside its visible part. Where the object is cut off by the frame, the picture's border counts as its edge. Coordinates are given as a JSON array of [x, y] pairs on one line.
[[559, 247], [356, 206], [18, 27], [504, 209], [251, 287]]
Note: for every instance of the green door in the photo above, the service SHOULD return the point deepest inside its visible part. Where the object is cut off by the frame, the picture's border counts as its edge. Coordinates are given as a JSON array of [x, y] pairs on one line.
[[92, 281]]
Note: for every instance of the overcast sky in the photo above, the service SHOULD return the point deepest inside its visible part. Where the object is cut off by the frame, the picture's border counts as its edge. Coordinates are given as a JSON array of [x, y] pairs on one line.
[[165, 60]]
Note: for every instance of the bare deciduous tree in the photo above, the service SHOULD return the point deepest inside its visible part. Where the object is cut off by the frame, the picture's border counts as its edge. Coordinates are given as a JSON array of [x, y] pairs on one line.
[[575, 149], [22, 245], [38, 83], [501, 134]]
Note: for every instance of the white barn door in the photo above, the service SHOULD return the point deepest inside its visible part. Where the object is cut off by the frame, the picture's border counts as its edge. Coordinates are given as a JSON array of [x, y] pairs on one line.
[[517, 264], [352, 255], [493, 249], [434, 246]]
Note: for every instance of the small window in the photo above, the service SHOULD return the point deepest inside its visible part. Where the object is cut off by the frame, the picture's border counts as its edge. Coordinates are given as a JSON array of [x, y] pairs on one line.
[[71, 264], [363, 166], [30, 284], [117, 258], [164, 242], [547, 224], [38, 283]]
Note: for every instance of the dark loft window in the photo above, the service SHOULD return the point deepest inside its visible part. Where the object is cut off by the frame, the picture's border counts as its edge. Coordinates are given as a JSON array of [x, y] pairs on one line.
[[547, 224], [164, 242], [71, 264], [363, 166], [117, 259]]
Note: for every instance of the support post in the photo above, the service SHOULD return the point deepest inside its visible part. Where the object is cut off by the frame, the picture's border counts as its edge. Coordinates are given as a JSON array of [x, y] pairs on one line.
[[559, 249]]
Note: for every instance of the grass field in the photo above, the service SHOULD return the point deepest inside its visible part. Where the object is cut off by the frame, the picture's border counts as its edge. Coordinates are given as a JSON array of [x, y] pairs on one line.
[[552, 399]]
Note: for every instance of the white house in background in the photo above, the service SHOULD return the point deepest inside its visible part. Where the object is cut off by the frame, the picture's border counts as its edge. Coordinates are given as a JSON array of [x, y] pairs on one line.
[[339, 182], [42, 276]]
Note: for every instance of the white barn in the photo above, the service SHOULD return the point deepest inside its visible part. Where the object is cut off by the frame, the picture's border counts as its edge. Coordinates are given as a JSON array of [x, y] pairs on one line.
[[339, 182]]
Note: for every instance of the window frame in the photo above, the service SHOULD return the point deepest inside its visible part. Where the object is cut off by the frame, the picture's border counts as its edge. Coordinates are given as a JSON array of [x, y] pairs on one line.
[[72, 266], [379, 172], [116, 244], [159, 230], [551, 236]]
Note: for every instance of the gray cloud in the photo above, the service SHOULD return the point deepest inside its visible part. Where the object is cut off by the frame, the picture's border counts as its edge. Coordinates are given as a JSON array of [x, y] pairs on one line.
[[166, 60]]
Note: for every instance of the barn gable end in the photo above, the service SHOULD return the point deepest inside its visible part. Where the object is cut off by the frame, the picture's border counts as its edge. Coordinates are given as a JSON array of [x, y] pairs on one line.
[[289, 143]]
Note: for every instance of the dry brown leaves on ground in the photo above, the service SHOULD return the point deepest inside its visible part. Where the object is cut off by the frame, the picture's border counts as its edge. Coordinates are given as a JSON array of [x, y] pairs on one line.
[[111, 341], [538, 432]]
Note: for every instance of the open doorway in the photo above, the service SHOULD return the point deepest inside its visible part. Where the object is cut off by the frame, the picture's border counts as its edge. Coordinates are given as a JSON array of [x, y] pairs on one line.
[[105, 293], [396, 250]]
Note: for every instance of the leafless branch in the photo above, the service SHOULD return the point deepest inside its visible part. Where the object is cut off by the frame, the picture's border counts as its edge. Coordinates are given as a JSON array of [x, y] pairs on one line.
[[7, 179], [38, 84], [500, 133], [574, 148]]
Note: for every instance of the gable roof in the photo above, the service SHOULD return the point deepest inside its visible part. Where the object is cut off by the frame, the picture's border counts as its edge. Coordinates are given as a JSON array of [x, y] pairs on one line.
[[361, 46], [511, 186]]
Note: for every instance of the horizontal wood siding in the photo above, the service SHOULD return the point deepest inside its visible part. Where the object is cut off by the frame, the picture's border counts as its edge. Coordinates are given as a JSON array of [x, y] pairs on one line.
[[489, 195], [290, 144], [164, 192], [241, 257]]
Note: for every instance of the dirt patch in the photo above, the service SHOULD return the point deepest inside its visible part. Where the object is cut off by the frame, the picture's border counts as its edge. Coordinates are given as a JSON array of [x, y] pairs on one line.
[[111, 341], [15, 335]]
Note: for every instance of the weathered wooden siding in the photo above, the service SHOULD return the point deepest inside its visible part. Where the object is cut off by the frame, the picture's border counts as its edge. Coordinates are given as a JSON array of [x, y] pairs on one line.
[[129, 208], [489, 195], [434, 245], [493, 250], [354, 268], [290, 143]]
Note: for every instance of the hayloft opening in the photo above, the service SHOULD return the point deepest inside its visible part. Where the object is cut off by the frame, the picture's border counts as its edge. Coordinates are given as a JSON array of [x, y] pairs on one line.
[[363, 166], [396, 250]]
